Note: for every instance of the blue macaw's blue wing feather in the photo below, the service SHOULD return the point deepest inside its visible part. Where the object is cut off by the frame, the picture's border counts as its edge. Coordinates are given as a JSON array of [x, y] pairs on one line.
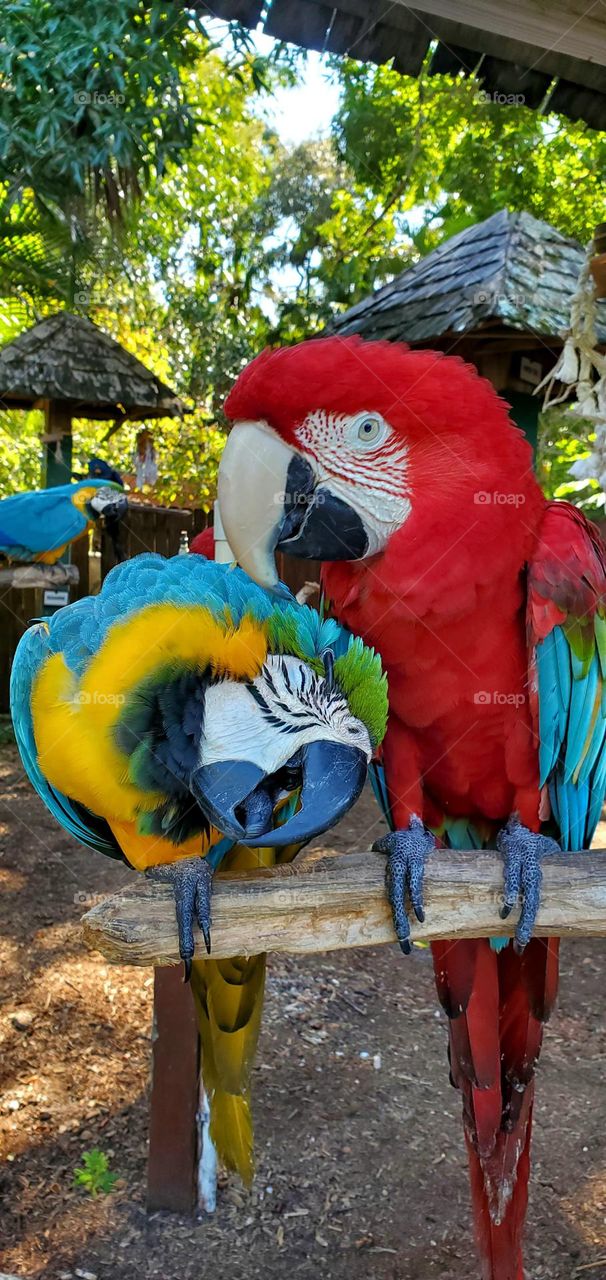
[[376, 773], [74, 818], [43, 520], [184, 581]]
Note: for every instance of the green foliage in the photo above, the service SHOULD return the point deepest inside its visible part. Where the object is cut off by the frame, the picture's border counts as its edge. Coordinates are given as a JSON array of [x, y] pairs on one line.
[[20, 451], [99, 88], [94, 1173], [180, 287], [434, 148], [564, 438], [321, 215]]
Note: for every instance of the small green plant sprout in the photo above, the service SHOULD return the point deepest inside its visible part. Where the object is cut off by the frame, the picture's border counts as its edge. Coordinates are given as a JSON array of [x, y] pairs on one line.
[[94, 1173]]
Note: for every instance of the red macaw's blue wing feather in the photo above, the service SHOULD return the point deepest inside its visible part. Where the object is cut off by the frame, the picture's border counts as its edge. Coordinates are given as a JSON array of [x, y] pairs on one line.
[[567, 654]]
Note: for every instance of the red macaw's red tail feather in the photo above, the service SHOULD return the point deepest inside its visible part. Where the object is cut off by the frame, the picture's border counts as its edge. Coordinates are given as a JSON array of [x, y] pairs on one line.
[[497, 1004]]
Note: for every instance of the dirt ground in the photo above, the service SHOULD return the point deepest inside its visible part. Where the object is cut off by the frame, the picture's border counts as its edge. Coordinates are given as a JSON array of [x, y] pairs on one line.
[[361, 1169]]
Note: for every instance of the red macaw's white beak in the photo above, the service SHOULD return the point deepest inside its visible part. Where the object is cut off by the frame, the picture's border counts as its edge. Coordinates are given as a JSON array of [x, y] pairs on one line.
[[251, 488], [270, 497]]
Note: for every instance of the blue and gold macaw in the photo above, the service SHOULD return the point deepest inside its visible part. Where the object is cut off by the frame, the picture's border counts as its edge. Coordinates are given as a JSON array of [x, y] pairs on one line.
[[184, 719], [40, 525]]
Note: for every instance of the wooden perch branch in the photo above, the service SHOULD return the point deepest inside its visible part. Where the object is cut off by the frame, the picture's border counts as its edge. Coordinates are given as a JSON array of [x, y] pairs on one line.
[[325, 902]]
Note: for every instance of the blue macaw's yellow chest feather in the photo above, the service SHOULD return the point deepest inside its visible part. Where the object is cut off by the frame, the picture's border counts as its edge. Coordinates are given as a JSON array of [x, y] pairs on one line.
[[116, 687], [78, 720]]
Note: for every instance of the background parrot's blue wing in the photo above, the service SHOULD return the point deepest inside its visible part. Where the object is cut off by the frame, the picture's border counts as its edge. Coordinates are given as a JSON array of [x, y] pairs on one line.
[[40, 521], [83, 825]]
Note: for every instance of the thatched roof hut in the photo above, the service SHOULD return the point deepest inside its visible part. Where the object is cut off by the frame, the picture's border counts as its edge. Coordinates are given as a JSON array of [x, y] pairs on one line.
[[508, 276], [68, 360], [498, 294]]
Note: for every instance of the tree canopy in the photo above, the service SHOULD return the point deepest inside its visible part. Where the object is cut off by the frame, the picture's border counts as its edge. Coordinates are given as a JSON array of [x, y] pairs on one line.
[[141, 184]]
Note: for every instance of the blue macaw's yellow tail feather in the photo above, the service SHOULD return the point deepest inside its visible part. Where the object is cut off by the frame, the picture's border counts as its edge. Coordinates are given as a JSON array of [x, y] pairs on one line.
[[228, 995]]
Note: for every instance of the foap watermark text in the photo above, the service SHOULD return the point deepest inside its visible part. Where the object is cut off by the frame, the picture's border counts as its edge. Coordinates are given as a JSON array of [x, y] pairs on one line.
[[496, 698], [496, 498]]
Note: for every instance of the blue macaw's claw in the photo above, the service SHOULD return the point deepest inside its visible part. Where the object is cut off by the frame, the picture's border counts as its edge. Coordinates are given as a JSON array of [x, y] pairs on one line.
[[191, 882]]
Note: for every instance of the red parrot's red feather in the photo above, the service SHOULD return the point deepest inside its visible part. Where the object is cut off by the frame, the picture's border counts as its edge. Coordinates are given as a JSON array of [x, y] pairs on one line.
[[494, 1044], [447, 603]]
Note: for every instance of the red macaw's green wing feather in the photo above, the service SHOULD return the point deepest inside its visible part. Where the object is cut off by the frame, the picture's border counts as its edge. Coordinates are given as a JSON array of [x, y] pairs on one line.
[[566, 621]]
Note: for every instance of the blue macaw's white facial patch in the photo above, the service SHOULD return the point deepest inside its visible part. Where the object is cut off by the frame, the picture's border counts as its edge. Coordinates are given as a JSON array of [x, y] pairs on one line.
[[104, 497], [286, 707]]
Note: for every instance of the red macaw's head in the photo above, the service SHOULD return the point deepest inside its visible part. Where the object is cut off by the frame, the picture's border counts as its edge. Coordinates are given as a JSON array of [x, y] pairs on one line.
[[342, 448]]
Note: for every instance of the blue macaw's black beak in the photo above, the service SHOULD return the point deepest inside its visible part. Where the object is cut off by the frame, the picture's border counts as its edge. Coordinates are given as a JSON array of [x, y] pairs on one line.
[[114, 509], [317, 524], [239, 799]]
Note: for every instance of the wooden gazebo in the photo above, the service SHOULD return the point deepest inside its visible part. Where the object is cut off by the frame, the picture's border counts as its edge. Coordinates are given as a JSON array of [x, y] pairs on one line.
[[70, 368]]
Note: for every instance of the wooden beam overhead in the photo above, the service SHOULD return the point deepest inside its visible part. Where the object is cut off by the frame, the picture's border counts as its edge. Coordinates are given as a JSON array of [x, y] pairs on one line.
[[568, 27]]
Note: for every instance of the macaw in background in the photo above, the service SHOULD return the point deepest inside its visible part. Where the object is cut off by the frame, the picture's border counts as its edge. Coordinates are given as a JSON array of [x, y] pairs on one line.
[[487, 605], [203, 544], [102, 470], [41, 524], [183, 719]]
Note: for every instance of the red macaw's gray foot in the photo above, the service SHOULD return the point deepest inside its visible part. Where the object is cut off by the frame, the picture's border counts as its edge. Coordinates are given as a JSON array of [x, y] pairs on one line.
[[407, 851], [191, 881], [523, 851]]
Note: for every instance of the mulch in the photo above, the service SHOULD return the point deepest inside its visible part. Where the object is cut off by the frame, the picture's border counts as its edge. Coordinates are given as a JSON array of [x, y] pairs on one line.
[[360, 1160]]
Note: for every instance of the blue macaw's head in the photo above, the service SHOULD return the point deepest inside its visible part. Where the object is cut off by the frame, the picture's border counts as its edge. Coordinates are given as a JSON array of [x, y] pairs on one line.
[[108, 502], [99, 469], [288, 730], [185, 698]]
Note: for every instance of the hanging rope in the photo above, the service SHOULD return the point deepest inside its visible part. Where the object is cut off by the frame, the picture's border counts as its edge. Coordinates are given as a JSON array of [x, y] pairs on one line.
[[580, 372]]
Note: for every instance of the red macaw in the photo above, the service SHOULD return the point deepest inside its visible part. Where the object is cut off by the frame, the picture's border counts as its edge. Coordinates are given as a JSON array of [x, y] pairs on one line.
[[403, 470]]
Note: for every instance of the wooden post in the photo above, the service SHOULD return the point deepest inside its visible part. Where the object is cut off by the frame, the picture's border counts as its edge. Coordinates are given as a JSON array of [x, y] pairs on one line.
[[172, 1163], [57, 465], [181, 1172]]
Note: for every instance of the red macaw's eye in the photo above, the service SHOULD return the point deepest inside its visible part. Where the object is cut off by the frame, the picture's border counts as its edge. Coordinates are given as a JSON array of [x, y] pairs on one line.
[[369, 430]]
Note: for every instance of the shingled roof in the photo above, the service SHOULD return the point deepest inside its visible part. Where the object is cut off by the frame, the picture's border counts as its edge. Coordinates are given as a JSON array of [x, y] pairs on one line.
[[511, 271], [69, 360]]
